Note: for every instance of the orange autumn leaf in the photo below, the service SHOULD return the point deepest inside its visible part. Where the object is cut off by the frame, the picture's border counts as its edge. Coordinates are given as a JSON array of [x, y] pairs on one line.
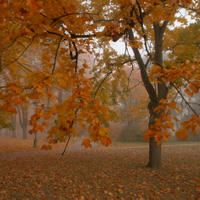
[[47, 116], [106, 141], [86, 143], [45, 124], [159, 143], [82, 126], [33, 130], [165, 138], [182, 134], [40, 128], [17, 101], [146, 137]]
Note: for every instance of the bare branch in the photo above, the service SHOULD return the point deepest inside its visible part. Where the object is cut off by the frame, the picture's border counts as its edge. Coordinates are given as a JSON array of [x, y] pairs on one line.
[[24, 67], [24, 50], [184, 99], [130, 60], [55, 58], [101, 83]]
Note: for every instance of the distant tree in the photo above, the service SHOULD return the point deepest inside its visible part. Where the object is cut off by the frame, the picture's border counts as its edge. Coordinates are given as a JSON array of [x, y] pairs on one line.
[[23, 119], [14, 125]]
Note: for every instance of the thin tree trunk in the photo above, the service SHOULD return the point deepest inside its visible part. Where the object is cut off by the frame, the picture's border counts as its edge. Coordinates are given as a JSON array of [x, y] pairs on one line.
[[7, 132], [24, 132], [60, 96], [35, 144], [23, 120], [25, 123], [14, 134], [66, 145]]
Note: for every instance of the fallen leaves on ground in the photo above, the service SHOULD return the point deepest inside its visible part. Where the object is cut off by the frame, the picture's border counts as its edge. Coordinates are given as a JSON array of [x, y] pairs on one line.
[[102, 173], [17, 145]]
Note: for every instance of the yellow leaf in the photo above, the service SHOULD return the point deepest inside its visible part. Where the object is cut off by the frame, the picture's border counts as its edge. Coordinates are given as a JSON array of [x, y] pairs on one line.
[[3, 192], [120, 191], [110, 193]]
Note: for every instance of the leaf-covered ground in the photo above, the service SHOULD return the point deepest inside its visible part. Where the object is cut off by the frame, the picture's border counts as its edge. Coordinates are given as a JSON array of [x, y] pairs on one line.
[[133, 144], [17, 145], [102, 173]]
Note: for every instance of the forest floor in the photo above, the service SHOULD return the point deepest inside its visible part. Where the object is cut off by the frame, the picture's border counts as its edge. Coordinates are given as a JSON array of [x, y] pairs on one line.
[[99, 173], [17, 145]]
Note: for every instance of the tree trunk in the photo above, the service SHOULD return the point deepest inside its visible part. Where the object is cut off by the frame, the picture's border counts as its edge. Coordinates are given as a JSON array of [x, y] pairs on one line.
[[23, 120], [7, 132], [14, 134], [24, 128], [60, 95], [35, 144], [155, 156], [154, 96], [155, 150]]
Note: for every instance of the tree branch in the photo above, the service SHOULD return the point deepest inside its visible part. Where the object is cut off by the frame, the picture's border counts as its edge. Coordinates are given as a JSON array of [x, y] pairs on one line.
[[101, 83], [66, 145], [147, 83], [24, 67], [24, 50], [55, 58], [184, 99]]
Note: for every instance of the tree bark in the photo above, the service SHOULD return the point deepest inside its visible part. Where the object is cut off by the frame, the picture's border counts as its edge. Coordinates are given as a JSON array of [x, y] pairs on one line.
[[155, 156], [35, 144], [24, 132], [154, 150], [13, 120], [23, 120], [60, 95]]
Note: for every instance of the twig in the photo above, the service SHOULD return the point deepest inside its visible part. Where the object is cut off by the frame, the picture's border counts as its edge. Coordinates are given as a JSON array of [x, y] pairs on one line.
[[55, 58], [66, 145], [184, 99], [101, 84], [24, 50]]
